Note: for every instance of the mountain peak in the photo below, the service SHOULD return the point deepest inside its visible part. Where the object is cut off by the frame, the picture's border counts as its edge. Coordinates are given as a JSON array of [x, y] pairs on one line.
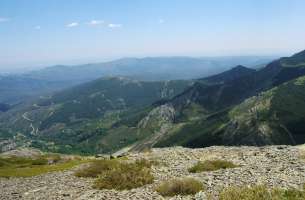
[[300, 54], [240, 67], [234, 73], [297, 60]]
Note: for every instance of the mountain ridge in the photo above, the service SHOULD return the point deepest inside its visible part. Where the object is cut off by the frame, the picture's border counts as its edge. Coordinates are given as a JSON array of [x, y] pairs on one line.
[[55, 78], [110, 114]]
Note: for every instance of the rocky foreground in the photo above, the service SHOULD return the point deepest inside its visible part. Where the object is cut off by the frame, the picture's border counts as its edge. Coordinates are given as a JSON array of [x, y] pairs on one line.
[[274, 166]]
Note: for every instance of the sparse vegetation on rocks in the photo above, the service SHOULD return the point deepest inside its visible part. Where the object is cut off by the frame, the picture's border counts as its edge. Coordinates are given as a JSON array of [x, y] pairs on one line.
[[211, 165], [302, 152], [260, 192], [182, 186], [278, 167]]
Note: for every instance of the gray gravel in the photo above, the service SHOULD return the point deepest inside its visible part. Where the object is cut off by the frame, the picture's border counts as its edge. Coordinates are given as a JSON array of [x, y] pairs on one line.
[[275, 166]]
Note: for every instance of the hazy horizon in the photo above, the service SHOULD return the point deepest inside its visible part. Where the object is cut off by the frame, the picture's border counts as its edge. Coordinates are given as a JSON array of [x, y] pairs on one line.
[[19, 69], [36, 34]]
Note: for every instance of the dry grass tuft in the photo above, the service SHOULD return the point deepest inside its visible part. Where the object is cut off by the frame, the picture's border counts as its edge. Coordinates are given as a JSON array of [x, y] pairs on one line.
[[127, 176], [185, 186], [119, 175], [261, 192], [97, 167], [211, 165], [302, 155]]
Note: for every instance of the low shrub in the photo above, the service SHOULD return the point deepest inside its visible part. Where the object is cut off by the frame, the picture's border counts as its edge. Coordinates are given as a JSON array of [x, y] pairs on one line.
[[97, 167], [118, 174], [260, 192], [185, 186], [126, 176], [211, 165]]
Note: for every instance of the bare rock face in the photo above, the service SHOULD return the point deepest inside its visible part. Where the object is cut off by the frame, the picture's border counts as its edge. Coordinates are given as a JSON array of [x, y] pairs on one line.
[[164, 113], [7, 145], [274, 166], [161, 118]]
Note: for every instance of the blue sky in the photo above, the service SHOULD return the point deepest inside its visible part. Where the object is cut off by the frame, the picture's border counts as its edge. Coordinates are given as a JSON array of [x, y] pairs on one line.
[[36, 32]]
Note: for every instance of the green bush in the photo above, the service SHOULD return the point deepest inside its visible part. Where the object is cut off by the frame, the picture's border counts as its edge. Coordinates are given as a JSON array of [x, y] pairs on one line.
[[261, 192], [211, 165], [186, 186]]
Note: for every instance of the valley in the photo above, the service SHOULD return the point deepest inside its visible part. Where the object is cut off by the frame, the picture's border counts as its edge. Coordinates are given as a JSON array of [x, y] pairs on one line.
[[152, 100], [241, 106]]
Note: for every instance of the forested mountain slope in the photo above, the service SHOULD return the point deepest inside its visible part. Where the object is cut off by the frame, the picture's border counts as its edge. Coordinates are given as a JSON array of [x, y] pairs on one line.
[[236, 107]]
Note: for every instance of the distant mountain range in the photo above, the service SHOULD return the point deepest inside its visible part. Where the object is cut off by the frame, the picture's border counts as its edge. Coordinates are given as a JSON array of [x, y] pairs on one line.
[[148, 69], [17, 88], [240, 106]]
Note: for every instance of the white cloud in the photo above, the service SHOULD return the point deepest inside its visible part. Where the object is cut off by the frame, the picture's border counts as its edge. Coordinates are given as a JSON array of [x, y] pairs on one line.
[[95, 22], [114, 25], [73, 24], [3, 19], [161, 21], [37, 27]]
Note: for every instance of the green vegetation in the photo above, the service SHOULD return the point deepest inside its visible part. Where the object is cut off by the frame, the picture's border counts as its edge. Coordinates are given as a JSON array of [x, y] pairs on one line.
[[96, 117], [211, 165], [20, 162], [117, 174], [182, 186], [300, 81], [294, 65], [25, 167], [289, 105], [296, 60], [94, 99], [274, 116], [238, 107], [261, 192]]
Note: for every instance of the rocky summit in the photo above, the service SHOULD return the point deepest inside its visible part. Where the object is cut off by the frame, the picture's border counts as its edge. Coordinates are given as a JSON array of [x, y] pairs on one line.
[[273, 166]]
